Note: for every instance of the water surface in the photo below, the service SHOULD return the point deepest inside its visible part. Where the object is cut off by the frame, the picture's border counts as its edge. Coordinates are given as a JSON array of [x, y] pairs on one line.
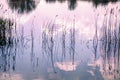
[[59, 40]]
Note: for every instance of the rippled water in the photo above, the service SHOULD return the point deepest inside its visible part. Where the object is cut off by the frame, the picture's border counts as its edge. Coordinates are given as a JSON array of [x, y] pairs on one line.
[[59, 40]]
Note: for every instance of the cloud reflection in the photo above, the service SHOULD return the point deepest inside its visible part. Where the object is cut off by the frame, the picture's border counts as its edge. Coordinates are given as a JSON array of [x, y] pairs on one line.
[[67, 66], [6, 76]]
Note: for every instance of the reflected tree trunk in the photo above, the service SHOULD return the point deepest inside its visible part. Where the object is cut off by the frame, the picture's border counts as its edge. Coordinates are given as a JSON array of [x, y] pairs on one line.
[[72, 41], [110, 44]]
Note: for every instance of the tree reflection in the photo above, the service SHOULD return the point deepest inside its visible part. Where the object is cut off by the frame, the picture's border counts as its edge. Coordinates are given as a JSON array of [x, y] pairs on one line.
[[71, 3], [95, 39], [7, 58], [7, 53], [28, 5], [61, 46], [48, 40], [5, 31], [22, 5], [103, 2], [110, 45], [72, 41]]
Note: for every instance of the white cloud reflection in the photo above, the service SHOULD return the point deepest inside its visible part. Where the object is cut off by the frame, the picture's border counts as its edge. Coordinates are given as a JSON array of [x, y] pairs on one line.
[[91, 72], [104, 68], [6, 76], [67, 66]]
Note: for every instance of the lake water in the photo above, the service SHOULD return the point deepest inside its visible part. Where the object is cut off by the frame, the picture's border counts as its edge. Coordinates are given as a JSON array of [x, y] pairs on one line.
[[59, 40]]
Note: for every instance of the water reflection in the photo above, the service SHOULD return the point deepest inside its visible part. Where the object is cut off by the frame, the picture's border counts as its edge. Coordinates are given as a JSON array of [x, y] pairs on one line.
[[110, 44], [7, 76], [67, 66], [72, 4], [72, 41], [7, 53], [5, 31], [60, 52], [95, 38], [48, 40], [51, 39], [23, 6], [103, 2]]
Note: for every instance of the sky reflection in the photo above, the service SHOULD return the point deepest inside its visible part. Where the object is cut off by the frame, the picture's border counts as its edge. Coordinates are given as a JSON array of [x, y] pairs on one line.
[[7, 76], [53, 42]]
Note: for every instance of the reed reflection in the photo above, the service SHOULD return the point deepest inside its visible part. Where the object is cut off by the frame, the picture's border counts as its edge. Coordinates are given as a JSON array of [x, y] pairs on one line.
[[59, 46], [72, 41], [7, 52], [5, 32], [110, 44], [63, 41], [48, 40], [95, 38]]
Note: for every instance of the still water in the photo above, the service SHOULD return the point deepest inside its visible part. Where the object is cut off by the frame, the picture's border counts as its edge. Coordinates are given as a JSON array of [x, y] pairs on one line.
[[59, 40]]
